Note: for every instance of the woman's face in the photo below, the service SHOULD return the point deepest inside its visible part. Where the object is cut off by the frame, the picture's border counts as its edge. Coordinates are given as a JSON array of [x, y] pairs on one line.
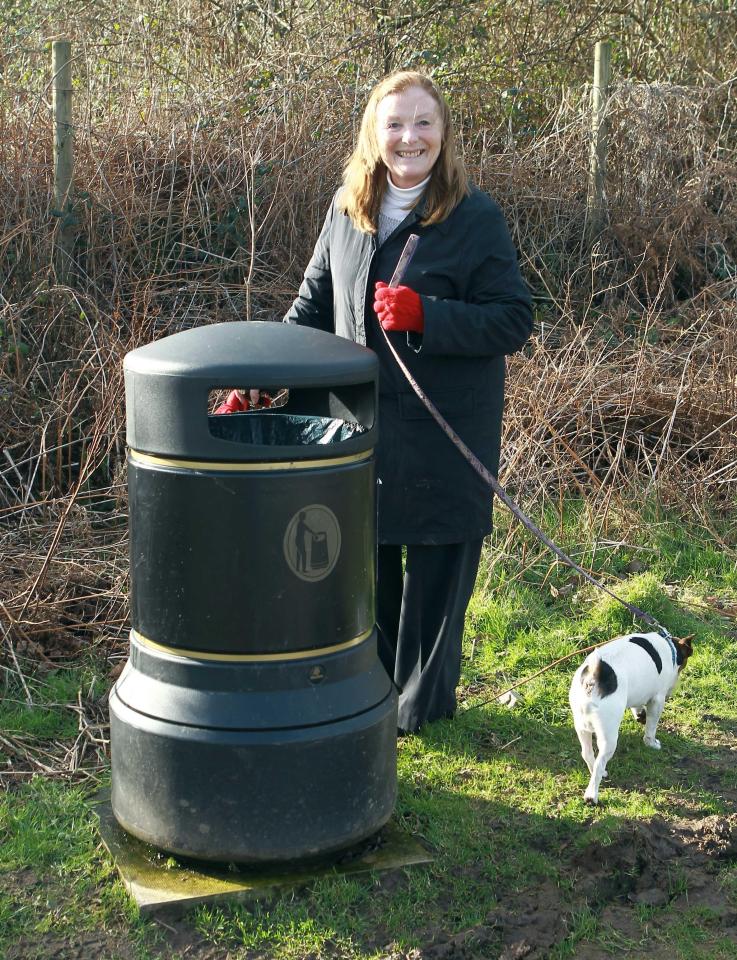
[[409, 132]]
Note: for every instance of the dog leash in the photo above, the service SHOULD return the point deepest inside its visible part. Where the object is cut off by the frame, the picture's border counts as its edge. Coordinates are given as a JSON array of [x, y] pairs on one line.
[[491, 480]]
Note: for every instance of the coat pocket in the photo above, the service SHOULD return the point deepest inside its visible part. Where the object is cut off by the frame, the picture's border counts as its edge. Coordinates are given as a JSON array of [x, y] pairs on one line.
[[454, 404]]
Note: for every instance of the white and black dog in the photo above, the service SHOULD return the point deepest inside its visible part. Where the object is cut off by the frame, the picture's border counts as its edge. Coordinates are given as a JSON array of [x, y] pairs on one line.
[[639, 671]]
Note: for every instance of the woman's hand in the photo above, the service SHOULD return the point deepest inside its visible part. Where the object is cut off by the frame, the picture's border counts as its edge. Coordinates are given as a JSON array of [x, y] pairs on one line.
[[235, 403], [398, 308], [239, 402]]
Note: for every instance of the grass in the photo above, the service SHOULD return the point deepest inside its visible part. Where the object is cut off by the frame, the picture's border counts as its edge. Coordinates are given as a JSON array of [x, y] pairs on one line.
[[496, 793], [51, 715]]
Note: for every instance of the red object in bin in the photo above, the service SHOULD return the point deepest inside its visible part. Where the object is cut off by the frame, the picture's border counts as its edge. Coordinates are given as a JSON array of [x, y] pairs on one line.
[[238, 402]]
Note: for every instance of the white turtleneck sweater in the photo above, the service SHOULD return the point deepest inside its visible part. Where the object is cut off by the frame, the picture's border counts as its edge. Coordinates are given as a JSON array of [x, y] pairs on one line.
[[396, 204]]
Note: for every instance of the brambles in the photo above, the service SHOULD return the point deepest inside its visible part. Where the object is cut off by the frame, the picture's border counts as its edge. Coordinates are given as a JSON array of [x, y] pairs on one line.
[[209, 141]]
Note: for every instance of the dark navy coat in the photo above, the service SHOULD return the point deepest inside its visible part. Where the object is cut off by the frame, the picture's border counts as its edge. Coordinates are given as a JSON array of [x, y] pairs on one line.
[[477, 309]]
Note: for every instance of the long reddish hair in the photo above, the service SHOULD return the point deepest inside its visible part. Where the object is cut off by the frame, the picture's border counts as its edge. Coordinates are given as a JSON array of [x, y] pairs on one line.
[[364, 176]]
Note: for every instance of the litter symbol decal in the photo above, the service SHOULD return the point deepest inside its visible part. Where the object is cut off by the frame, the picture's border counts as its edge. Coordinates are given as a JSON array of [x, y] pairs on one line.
[[312, 542]]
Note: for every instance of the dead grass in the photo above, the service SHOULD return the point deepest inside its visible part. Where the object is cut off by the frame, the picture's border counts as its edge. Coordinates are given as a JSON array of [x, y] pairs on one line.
[[198, 198]]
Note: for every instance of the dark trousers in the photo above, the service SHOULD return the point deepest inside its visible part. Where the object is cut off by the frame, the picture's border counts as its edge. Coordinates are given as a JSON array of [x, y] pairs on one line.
[[419, 618]]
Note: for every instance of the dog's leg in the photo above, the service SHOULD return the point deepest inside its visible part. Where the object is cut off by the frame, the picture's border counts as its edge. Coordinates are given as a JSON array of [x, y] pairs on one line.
[[587, 747], [654, 708], [639, 714], [606, 746]]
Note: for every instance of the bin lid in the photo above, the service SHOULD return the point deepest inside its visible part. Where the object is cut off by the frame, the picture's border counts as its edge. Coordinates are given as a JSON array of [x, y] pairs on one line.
[[264, 353], [167, 384]]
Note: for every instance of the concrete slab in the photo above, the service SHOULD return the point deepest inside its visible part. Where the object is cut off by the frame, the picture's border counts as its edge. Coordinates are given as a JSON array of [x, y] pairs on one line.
[[157, 881]]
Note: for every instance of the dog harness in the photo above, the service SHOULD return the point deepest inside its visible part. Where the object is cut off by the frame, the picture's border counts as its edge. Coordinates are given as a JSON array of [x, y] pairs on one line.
[[673, 651]]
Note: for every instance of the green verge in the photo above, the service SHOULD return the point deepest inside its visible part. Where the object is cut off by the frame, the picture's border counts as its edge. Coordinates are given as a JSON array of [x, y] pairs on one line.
[[497, 793]]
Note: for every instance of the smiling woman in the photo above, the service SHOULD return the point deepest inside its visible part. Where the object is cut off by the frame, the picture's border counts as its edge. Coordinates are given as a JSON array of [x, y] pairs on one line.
[[463, 308], [405, 113], [409, 133]]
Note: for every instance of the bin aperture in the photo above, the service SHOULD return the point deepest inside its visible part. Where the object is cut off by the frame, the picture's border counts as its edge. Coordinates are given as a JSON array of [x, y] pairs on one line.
[[253, 721], [277, 429]]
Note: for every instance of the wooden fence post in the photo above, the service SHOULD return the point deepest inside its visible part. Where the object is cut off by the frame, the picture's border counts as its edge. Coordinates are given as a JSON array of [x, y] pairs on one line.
[[61, 67], [597, 166]]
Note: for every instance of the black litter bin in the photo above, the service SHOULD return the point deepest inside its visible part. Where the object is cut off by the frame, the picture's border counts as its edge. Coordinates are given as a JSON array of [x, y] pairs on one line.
[[253, 721]]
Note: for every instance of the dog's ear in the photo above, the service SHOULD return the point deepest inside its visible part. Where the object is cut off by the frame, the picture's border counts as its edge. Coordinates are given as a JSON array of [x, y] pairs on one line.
[[684, 648]]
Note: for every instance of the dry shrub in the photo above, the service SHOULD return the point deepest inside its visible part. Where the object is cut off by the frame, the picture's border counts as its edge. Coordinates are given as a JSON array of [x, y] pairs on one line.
[[672, 196], [621, 420], [199, 201]]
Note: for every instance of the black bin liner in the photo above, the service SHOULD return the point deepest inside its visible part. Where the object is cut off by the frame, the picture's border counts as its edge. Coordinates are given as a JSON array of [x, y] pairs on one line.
[[281, 429]]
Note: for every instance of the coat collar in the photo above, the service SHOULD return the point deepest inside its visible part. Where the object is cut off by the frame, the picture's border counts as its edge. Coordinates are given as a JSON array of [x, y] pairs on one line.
[[415, 215], [418, 212]]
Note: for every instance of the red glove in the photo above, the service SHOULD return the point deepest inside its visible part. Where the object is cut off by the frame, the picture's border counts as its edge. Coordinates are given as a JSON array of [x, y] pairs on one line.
[[399, 308], [234, 404]]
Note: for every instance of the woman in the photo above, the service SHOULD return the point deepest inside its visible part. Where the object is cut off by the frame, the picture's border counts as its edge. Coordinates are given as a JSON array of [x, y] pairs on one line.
[[462, 306]]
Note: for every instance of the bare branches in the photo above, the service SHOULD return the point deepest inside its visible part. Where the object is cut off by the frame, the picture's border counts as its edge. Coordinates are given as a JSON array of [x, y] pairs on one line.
[[203, 175]]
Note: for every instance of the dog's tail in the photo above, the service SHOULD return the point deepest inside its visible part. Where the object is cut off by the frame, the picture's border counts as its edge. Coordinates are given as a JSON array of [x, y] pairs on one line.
[[597, 677]]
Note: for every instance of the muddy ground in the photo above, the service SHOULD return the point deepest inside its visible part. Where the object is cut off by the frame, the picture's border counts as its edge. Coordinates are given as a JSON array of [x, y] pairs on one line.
[[637, 883], [639, 868], [666, 866]]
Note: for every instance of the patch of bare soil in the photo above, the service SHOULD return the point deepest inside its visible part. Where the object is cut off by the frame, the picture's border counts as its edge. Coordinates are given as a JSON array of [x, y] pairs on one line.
[[179, 939], [656, 864], [667, 866], [99, 945]]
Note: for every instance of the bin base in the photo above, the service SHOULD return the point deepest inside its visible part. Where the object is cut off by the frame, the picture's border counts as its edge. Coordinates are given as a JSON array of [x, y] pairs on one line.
[[156, 883], [253, 796]]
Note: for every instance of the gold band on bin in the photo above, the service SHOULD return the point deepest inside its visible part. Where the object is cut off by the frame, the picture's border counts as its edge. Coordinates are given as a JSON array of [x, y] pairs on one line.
[[147, 459], [250, 657]]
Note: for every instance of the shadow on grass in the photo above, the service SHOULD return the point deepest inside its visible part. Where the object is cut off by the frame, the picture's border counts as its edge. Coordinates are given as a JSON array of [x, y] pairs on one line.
[[507, 883], [684, 766], [503, 877]]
